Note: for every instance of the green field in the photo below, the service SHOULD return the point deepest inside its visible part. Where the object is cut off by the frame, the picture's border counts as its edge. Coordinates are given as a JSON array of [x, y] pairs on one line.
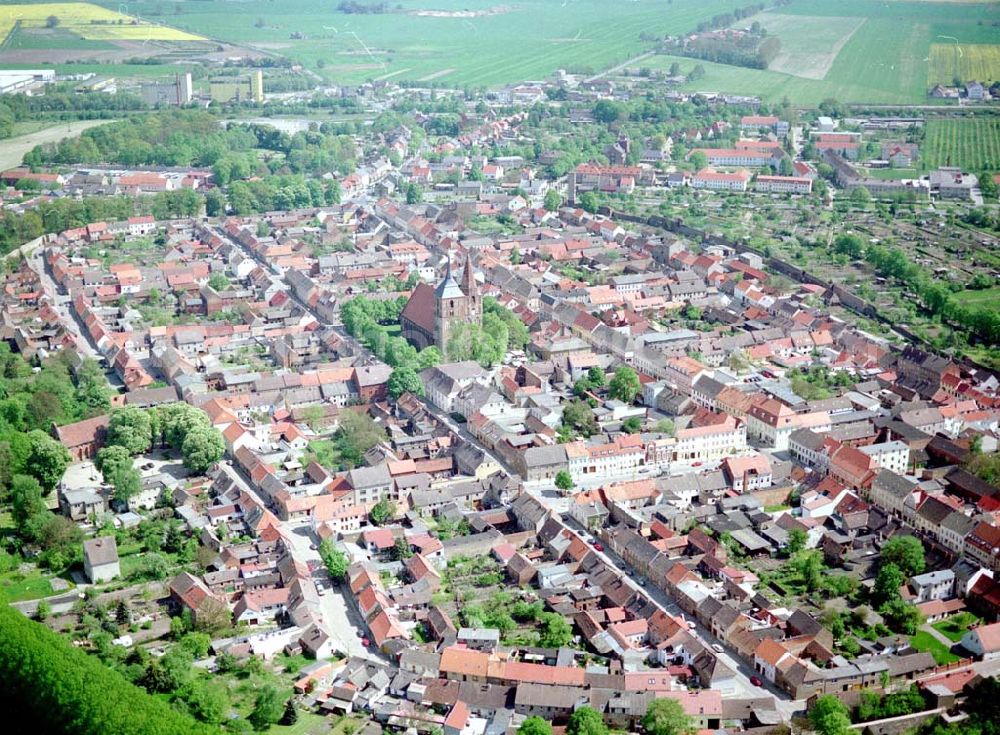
[[985, 298], [825, 53], [972, 143], [964, 62], [518, 41]]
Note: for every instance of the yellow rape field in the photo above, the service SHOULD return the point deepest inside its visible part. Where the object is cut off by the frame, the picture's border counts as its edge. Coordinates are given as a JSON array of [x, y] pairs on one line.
[[88, 21], [967, 62]]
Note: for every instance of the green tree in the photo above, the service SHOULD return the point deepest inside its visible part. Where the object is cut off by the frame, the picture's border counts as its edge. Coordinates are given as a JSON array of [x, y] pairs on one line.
[[267, 709], [218, 281], [797, 539], [28, 507], [535, 725], [556, 632], [202, 447], [401, 550], [888, 580], [698, 160], [291, 714], [208, 700], [589, 202], [906, 552], [47, 459], [901, 616], [110, 459], [552, 200], [586, 721], [632, 425], [55, 683], [92, 388], [384, 510], [830, 716], [403, 380], [126, 482], [596, 377], [624, 385], [666, 426], [666, 716], [335, 560], [564, 481]]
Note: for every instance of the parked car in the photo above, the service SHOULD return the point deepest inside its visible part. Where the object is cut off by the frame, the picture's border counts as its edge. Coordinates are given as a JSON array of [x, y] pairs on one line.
[[717, 648], [365, 642], [755, 680], [598, 546]]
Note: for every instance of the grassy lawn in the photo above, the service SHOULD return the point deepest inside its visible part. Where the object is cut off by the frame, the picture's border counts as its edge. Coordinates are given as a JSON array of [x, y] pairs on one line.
[[17, 587], [776, 508], [307, 724], [948, 629], [924, 641]]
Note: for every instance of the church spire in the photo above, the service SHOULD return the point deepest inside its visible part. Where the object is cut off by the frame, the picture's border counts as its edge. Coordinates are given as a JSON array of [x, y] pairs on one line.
[[469, 277]]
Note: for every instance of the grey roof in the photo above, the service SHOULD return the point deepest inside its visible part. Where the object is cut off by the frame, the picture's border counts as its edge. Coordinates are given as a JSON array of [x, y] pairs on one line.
[[103, 550], [362, 477]]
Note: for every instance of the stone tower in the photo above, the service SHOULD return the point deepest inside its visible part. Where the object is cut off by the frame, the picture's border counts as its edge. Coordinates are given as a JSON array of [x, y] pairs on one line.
[[454, 304]]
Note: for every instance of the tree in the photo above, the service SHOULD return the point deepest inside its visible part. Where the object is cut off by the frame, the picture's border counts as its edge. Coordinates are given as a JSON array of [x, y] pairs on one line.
[[556, 631], [28, 508], [414, 194], [578, 418], [383, 511], [624, 385], [267, 709], [552, 200], [335, 560], [888, 580], [218, 281], [586, 721], [666, 716], [797, 539], [55, 683], [110, 459], [698, 160], [606, 111], [92, 387], [403, 380], [666, 426], [830, 716], [52, 21], [208, 700], [589, 201], [47, 459], [906, 552], [42, 611], [861, 197], [126, 482], [291, 715], [901, 616], [401, 550], [213, 616], [202, 447], [632, 425], [535, 725], [564, 481]]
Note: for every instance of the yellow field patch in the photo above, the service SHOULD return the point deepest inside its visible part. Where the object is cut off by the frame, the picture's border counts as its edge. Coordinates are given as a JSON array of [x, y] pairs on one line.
[[967, 62], [88, 21]]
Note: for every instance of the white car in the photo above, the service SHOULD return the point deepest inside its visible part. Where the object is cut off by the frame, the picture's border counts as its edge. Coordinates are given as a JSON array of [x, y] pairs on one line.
[[717, 648]]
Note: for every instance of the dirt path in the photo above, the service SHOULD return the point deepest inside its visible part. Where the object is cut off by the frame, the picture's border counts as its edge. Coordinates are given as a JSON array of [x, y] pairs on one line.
[[12, 150]]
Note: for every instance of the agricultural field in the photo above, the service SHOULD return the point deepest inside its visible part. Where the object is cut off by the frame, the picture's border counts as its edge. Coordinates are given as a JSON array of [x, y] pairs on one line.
[[972, 143], [964, 62], [87, 21], [450, 42], [982, 299], [852, 50], [809, 45]]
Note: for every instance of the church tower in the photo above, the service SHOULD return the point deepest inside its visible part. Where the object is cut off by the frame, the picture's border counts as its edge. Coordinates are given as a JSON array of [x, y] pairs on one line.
[[456, 303], [450, 307], [471, 290]]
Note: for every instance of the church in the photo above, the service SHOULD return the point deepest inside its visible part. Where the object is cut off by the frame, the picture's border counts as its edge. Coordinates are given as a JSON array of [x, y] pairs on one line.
[[430, 316]]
